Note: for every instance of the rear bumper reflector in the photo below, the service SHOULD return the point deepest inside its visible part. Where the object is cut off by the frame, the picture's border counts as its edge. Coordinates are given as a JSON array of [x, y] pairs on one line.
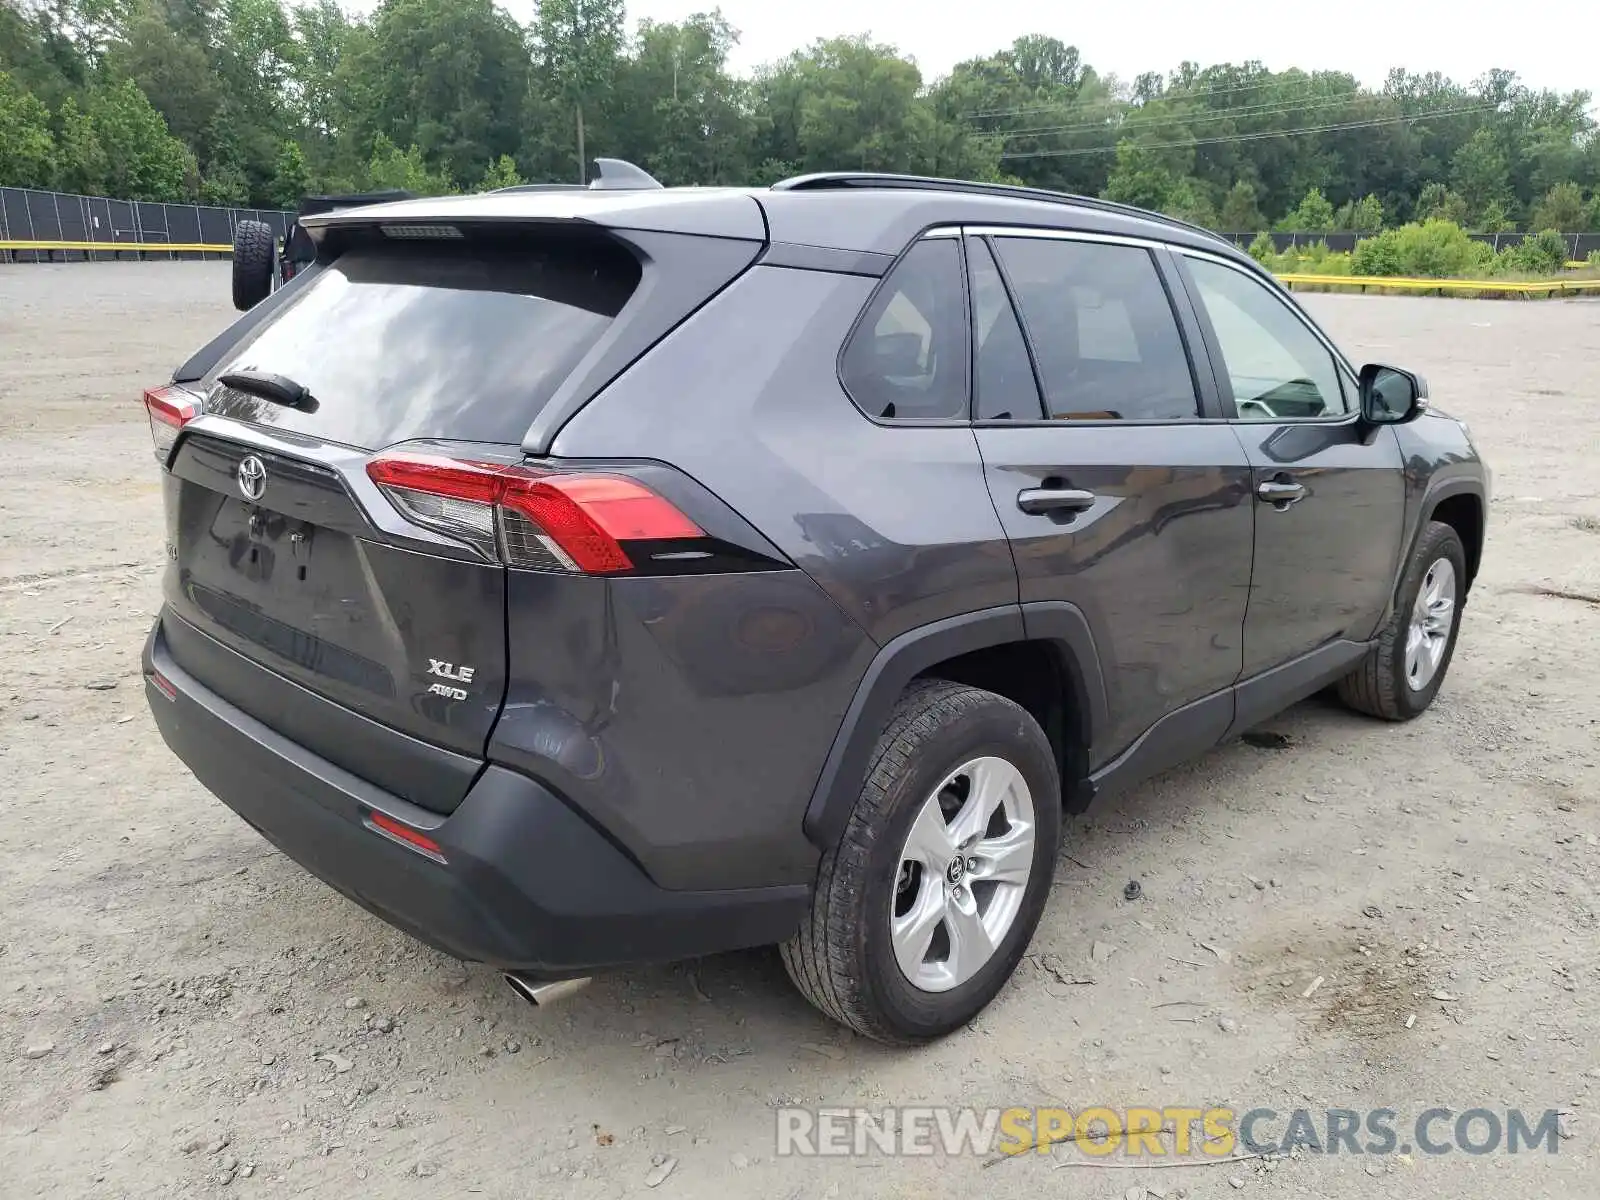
[[411, 838]]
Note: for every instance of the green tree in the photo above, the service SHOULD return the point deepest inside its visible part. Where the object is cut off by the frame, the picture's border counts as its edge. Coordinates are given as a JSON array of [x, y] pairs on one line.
[[676, 110], [255, 59], [449, 77], [1439, 203], [173, 72], [323, 33], [1361, 216], [502, 173], [1240, 212], [392, 167], [27, 149], [81, 163], [1050, 116], [1495, 219], [224, 184], [578, 45], [1142, 177], [1188, 202], [237, 80], [1314, 215], [850, 104], [143, 160], [1480, 174], [291, 179], [35, 54], [1561, 208]]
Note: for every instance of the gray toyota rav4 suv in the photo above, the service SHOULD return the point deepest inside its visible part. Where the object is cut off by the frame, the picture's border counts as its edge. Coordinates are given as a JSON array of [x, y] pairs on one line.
[[585, 578]]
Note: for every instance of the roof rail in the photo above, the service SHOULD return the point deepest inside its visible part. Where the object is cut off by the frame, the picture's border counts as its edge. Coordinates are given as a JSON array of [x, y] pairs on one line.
[[838, 180], [543, 187]]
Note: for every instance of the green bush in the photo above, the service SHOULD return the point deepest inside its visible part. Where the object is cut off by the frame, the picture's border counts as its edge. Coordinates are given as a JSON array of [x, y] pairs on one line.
[[1594, 258], [1543, 253], [1308, 258], [1434, 249], [1262, 248], [1379, 255]]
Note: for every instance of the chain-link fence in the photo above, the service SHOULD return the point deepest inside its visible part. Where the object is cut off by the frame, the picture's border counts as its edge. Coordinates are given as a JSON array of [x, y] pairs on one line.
[[37, 226]]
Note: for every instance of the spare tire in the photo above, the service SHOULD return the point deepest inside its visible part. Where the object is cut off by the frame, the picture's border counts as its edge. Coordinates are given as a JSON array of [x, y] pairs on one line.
[[253, 254]]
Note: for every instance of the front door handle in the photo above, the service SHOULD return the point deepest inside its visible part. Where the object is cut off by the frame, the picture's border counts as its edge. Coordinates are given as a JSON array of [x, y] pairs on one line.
[[1037, 501], [1280, 493]]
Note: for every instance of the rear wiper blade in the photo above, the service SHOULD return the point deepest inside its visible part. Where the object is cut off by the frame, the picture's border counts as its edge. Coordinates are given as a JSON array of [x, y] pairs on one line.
[[278, 389]]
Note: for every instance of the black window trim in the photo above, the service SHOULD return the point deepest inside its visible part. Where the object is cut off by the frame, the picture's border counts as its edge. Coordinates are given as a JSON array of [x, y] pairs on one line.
[[1343, 372], [1208, 401], [1022, 325]]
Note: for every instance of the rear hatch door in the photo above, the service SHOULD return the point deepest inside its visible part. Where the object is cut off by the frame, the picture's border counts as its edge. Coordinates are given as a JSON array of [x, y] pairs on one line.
[[303, 597]]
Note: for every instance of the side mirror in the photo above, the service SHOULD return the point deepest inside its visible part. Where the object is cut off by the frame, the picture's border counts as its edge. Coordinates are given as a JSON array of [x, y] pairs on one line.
[[1390, 396]]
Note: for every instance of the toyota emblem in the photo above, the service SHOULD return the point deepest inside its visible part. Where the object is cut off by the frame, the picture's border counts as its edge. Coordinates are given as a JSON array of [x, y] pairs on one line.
[[252, 477]]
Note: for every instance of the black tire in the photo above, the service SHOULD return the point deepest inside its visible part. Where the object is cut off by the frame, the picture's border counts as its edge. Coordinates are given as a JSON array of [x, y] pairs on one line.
[[253, 254], [842, 959], [1379, 686]]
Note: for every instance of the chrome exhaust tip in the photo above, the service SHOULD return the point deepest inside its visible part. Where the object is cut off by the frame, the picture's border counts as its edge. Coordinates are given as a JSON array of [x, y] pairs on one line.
[[542, 994]]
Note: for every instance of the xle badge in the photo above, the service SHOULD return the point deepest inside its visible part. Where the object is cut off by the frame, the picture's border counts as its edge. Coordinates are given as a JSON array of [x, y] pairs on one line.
[[452, 672]]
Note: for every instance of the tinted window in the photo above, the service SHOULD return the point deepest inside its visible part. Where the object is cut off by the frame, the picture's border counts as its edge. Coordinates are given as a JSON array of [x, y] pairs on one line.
[[908, 358], [1278, 368], [1102, 330], [404, 340], [1004, 376]]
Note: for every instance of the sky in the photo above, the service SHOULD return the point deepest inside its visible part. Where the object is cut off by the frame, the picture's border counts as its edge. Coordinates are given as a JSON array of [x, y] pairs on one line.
[[1551, 45]]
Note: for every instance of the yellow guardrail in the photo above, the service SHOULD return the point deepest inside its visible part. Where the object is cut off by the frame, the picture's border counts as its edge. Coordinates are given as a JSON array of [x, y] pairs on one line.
[[1515, 287], [187, 247]]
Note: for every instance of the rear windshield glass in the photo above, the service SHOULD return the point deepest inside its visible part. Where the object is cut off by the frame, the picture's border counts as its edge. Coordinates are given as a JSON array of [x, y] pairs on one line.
[[426, 340]]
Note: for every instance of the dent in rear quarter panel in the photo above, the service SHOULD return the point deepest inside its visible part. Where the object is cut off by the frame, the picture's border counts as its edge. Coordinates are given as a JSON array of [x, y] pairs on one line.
[[686, 716], [894, 523]]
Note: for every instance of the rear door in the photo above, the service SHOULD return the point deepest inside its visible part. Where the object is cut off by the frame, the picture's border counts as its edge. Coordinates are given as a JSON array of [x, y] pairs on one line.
[[1329, 490], [297, 590], [1120, 492]]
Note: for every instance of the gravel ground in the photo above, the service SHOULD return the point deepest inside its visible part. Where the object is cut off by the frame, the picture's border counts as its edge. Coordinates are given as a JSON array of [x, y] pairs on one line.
[[182, 1010]]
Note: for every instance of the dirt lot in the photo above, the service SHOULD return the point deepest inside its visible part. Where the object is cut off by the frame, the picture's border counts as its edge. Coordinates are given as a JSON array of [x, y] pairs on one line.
[[168, 982]]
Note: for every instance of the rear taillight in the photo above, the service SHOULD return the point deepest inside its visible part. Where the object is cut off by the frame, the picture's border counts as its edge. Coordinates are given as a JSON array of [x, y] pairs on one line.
[[526, 517], [170, 409]]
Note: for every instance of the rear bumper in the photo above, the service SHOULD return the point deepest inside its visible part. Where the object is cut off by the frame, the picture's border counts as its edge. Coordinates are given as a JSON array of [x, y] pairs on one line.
[[527, 884]]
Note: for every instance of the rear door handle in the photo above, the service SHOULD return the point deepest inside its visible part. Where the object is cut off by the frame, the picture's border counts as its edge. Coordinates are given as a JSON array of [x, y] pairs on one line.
[[1280, 493], [1038, 501]]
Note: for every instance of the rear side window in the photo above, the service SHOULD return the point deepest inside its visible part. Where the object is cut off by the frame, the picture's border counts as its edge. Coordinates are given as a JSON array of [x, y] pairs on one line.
[[427, 340], [908, 357], [1103, 331]]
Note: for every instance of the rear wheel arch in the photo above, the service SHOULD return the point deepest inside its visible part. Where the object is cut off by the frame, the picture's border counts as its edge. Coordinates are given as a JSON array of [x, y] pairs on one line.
[[1042, 660]]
